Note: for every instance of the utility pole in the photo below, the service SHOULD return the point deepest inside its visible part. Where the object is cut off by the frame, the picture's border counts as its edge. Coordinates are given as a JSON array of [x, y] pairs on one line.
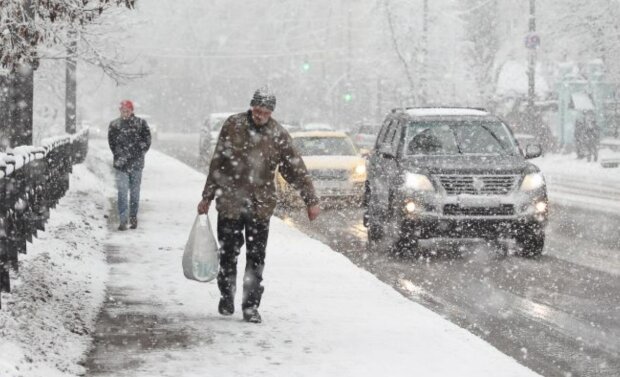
[[423, 63], [531, 73], [349, 47], [71, 83]]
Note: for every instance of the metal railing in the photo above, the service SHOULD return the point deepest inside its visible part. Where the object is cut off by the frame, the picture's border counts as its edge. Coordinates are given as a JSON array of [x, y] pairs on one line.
[[32, 181]]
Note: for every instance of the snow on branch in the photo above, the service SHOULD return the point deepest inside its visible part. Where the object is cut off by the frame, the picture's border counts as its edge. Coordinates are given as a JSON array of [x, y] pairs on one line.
[[27, 24]]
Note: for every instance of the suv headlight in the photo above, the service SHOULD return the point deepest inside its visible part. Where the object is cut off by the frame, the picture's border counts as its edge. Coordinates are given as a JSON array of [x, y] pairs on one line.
[[360, 169], [532, 181], [418, 182]]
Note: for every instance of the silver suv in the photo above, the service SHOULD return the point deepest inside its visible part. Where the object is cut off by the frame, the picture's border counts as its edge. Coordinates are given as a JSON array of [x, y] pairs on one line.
[[455, 173]]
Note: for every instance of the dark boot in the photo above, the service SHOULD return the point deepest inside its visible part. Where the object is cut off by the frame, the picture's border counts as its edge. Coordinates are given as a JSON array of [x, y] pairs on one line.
[[122, 227], [133, 221], [226, 306], [251, 315]]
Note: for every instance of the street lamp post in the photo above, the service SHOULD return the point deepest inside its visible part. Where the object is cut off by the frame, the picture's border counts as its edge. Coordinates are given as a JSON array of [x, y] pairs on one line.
[[424, 62], [531, 74]]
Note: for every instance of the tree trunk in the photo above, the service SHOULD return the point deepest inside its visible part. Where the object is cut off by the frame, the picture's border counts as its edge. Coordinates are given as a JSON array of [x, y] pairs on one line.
[[5, 122], [71, 85], [21, 105]]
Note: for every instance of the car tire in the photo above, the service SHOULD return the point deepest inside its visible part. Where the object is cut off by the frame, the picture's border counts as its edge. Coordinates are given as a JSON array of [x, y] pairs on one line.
[[375, 232], [404, 243], [531, 242]]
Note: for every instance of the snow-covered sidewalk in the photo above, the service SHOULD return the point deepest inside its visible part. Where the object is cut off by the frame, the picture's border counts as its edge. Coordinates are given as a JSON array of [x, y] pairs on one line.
[[322, 316], [581, 183]]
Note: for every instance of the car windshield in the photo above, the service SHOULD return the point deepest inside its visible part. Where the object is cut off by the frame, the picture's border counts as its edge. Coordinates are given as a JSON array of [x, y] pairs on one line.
[[459, 137], [324, 146]]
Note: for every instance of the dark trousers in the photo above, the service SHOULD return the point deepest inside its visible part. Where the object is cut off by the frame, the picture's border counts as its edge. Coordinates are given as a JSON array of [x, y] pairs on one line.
[[230, 233]]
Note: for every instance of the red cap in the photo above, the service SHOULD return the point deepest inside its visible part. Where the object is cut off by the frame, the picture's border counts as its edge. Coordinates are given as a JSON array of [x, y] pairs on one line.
[[127, 104]]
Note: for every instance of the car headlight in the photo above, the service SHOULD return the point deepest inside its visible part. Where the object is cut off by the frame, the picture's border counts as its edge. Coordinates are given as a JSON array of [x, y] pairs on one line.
[[418, 182], [360, 169], [532, 181]]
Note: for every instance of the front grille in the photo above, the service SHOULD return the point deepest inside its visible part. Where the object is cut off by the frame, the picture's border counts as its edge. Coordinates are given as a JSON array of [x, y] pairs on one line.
[[329, 174], [455, 210], [478, 184]]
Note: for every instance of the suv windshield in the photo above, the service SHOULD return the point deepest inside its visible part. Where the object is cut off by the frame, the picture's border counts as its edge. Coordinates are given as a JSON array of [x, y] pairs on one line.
[[324, 146], [446, 137]]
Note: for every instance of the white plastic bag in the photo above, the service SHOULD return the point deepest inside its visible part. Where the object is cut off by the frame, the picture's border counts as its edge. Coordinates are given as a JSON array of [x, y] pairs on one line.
[[201, 258]]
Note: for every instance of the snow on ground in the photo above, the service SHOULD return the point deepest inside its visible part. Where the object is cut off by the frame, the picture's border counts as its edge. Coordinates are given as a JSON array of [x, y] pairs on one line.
[[580, 183], [322, 315], [47, 319]]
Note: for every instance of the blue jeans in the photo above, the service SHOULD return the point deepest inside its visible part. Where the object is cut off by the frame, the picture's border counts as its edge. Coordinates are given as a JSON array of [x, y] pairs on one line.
[[128, 183]]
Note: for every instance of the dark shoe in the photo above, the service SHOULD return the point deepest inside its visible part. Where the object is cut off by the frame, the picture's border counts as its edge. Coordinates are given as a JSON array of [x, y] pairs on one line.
[[133, 221], [226, 306], [122, 227], [251, 315]]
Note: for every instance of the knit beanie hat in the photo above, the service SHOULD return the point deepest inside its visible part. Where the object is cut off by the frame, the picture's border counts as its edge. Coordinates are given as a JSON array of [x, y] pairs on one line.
[[264, 98]]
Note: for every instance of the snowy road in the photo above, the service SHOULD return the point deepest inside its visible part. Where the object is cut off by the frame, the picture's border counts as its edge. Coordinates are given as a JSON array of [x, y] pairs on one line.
[[557, 314]]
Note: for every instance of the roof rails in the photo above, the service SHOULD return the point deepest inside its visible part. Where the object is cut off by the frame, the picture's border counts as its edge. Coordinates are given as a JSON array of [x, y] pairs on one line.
[[401, 109]]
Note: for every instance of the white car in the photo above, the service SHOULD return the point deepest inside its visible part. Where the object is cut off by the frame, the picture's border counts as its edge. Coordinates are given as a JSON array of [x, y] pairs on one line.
[[318, 127], [209, 133], [337, 169]]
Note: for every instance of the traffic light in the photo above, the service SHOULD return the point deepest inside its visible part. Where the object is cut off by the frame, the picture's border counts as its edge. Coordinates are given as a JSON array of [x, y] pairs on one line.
[[348, 97], [305, 66]]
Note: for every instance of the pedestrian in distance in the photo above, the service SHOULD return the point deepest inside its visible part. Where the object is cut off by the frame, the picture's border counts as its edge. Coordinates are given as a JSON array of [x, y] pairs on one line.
[[250, 148], [579, 134], [129, 138], [591, 137]]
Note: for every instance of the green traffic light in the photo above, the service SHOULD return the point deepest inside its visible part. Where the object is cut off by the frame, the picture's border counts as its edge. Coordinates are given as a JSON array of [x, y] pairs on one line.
[[348, 97], [305, 67]]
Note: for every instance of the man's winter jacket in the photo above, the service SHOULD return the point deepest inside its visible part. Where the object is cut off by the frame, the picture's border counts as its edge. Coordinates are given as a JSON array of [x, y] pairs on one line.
[[129, 141], [242, 170]]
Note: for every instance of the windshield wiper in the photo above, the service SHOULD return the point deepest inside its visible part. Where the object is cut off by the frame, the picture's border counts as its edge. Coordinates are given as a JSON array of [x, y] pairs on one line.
[[456, 140], [499, 141]]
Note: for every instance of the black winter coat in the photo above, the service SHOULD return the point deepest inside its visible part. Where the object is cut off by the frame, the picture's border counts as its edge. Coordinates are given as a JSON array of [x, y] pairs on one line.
[[129, 140]]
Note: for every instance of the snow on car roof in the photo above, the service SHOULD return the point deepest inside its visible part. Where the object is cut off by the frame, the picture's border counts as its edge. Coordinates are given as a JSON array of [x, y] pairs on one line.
[[317, 126], [445, 111], [221, 115], [319, 134]]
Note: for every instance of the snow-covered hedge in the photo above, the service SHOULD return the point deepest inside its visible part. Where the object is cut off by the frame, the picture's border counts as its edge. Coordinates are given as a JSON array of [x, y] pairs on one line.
[[32, 180]]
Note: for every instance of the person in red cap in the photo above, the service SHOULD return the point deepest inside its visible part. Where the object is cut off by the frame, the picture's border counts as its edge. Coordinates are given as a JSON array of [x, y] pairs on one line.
[[129, 138]]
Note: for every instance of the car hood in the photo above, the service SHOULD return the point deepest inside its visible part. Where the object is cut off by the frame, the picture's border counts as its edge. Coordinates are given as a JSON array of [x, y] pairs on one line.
[[333, 162], [468, 164]]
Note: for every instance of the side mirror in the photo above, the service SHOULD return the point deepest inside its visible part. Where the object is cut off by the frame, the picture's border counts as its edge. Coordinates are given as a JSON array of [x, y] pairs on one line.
[[533, 151], [386, 152], [365, 152]]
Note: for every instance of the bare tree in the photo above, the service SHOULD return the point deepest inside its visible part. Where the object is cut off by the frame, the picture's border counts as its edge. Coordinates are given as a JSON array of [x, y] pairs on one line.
[[25, 25], [586, 30], [406, 62], [482, 44]]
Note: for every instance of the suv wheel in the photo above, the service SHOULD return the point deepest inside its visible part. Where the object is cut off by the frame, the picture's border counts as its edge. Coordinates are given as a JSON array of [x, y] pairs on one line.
[[375, 235], [531, 241], [405, 243], [375, 232]]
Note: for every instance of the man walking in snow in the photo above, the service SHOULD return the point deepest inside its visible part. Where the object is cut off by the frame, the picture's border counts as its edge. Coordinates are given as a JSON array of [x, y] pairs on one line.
[[129, 138], [250, 147]]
